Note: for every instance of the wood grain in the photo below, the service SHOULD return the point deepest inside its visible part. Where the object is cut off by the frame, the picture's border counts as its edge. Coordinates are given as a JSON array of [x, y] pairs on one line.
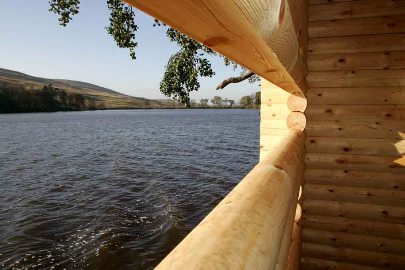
[[356, 9], [260, 35]]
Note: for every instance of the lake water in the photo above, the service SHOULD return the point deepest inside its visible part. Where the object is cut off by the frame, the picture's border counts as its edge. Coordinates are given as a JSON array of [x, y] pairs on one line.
[[114, 189]]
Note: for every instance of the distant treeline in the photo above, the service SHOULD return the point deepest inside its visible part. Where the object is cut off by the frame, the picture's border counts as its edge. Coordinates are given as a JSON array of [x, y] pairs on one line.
[[15, 99]]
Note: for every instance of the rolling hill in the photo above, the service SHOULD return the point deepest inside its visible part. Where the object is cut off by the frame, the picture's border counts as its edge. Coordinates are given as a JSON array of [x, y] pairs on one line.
[[109, 99]]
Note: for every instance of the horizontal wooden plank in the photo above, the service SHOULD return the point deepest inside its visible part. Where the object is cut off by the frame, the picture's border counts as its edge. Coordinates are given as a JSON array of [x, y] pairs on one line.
[[274, 124], [357, 95], [348, 128], [382, 213], [348, 255], [353, 163], [356, 44], [269, 142], [355, 241], [322, 264], [356, 9], [357, 26], [356, 61], [342, 178], [274, 111], [355, 146], [355, 226], [273, 132], [351, 113], [272, 94], [356, 78], [354, 194], [316, 2]]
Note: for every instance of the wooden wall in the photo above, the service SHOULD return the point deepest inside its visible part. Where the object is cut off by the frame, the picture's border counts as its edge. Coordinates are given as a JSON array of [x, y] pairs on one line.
[[354, 196]]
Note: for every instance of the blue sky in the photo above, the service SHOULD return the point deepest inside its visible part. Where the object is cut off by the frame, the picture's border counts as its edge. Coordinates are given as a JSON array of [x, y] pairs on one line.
[[33, 42]]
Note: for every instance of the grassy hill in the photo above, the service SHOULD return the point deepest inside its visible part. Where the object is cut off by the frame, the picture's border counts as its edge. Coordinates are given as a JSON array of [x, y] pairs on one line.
[[104, 98]]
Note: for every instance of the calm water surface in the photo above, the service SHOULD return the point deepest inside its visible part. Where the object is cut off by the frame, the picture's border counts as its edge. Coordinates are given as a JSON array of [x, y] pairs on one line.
[[114, 189]]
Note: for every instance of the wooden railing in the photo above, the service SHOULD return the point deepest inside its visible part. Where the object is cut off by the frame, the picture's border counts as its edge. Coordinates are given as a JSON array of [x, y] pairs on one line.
[[251, 228]]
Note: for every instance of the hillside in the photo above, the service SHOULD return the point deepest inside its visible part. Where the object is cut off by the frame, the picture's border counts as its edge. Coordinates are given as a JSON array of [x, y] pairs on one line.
[[104, 98]]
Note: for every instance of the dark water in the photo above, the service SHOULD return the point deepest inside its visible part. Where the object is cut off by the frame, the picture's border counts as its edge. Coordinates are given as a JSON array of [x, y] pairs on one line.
[[114, 189]]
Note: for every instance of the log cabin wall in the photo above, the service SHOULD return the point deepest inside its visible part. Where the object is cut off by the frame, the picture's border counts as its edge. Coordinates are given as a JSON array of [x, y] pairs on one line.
[[354, 194]]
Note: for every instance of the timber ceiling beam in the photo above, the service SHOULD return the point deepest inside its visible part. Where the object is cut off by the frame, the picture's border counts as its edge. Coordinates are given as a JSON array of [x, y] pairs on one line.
[[258, 34]]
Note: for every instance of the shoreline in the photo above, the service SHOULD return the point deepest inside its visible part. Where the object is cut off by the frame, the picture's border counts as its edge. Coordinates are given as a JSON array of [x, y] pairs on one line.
[[117, 109]]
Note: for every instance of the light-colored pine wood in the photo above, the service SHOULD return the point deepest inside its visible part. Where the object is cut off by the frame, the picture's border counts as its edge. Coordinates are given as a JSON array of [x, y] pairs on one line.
[[357, 61], [273, 132], [299, 15], [296, 121], [259, 35], [355, 181], [357, 96], [356, 44], [355, 146], [321, 264], [245, 230], [272, 94], [356, 128], [353, 162], [285, 248], [354, 226], [356, 9], [356, 112], [268, 143], [357, 78], [382, 213], [297, 104], [355, 194], [316, 2], [356, 241], [274, 124], [294, 254], [357, 26], [274, 111], [354, 256], [344, 178]]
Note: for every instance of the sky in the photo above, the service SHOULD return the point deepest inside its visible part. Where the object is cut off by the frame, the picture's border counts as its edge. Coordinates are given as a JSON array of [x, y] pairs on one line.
[[33, 42]]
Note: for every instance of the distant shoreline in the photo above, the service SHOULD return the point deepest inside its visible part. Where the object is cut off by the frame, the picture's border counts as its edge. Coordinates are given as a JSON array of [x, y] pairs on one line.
[[127, 109]]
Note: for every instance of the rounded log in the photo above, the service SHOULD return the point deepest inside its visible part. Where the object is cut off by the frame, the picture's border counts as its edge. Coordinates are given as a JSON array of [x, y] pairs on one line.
[[296, 121], [296, 103]]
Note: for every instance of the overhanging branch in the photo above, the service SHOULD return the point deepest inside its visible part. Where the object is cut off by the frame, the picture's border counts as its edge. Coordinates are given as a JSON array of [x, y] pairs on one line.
[[242, 77]]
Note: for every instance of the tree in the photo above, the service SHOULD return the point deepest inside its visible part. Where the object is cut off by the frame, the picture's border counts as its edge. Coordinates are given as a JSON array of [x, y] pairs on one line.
[[217, 100], [204, 102], [246, 101], [63, 99], [231, 103], [49, 98], [183, 68], [257, 99]]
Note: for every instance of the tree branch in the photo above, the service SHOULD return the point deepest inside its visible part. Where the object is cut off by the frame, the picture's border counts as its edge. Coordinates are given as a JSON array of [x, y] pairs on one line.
[[242, 77]]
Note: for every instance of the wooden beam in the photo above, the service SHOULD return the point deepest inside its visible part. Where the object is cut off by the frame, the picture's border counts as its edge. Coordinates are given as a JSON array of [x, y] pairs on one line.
[[245, 230], [259, 35]]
